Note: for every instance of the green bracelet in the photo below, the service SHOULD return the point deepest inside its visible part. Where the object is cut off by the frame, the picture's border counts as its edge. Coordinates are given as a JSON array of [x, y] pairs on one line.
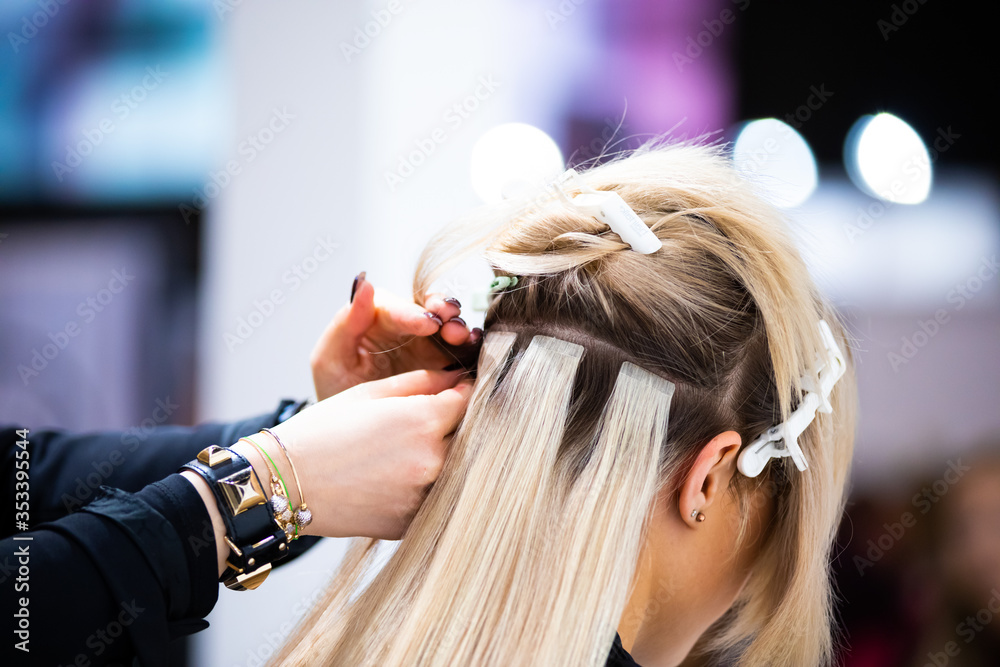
[[284, 487], [280, 503]]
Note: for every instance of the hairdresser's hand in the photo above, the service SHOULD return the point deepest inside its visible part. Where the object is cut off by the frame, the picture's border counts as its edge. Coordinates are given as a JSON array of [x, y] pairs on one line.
[[378, 335], [366, 457]]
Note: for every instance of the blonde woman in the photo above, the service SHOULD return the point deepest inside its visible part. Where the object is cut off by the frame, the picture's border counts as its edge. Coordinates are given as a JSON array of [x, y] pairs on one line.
[[591, 508]]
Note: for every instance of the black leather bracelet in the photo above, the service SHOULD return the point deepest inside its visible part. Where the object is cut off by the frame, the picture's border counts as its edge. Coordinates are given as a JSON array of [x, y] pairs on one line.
[[254, 537], [289, 408]]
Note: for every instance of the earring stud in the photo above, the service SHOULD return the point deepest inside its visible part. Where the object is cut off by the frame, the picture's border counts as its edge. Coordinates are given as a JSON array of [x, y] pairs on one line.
[[697, 516]]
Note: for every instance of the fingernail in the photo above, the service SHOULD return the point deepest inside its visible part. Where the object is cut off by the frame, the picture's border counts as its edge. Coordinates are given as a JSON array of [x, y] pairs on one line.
[[453, 301], [434, 317], [475, 336], [354, 286], [454, 367], [458, 319]]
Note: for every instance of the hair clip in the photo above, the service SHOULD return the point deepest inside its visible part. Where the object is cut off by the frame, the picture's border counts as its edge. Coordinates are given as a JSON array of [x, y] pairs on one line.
[[611, 209], [782, 440], [501, 283]]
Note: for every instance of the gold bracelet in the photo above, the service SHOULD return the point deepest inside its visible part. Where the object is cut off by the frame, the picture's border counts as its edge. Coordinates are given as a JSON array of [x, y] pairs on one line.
[[303, 517], [280, 505]]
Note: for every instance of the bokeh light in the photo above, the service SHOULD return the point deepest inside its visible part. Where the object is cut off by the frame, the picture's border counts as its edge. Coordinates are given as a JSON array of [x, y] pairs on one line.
[[887, 159], [513, 157], [779, 159]]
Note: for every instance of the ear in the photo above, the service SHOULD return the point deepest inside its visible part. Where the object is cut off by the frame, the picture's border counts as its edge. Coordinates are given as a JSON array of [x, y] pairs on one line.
[[709, 476]]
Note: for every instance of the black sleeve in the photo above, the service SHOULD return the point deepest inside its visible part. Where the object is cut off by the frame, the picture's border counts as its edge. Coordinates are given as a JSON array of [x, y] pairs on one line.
[[118, 579], [65, 470], [128, 572]]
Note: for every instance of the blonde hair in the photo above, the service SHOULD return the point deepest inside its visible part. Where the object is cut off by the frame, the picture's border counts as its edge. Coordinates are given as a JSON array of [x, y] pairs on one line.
[[525, 548]]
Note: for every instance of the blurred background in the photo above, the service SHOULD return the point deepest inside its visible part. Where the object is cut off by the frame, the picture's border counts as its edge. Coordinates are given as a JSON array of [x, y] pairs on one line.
[[187, 189]]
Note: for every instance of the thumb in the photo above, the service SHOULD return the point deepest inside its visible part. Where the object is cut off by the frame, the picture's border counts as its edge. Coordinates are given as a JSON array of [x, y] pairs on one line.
[[361, 314], [342, 336], [408, 384], [451, 404]]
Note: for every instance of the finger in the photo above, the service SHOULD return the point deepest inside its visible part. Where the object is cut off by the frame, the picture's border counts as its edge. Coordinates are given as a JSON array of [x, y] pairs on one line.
[[443, 306], [399, 318], [360, 318], [414, 383], [455, 331], [449, 405]]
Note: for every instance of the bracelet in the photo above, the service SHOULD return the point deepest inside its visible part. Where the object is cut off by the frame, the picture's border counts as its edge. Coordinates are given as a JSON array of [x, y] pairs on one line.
[[289, 408], [280, 505], [303, 517], [254, 538]]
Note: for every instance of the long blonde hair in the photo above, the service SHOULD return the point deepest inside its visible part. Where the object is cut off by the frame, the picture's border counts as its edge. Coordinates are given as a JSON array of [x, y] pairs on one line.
[[525, 548]]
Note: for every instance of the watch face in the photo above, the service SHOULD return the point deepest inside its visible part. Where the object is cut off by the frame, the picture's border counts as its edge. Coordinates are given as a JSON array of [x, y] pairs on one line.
[[239, 491]]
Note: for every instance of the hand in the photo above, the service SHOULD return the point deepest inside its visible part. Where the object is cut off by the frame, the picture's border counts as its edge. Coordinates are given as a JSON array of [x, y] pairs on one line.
[[367, 456], [378, 335]]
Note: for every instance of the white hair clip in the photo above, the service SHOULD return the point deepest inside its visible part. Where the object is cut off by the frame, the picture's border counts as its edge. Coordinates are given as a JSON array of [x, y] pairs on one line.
[[782, 440], [611, 209]]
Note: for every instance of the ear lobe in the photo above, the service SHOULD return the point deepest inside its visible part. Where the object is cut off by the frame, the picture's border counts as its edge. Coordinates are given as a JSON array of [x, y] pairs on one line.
[[708, 477]]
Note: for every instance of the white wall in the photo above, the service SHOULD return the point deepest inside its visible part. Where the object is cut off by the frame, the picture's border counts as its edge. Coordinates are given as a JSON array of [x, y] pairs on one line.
[[325, 175], [300, 187]]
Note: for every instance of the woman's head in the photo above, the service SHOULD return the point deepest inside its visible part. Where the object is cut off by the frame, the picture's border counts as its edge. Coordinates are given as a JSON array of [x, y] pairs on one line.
[[615, 390]]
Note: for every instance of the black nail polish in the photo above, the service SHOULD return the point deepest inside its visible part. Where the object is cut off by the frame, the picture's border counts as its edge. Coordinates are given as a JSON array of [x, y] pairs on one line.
[[458, 319], [434, 317], [453, 301], [354, 286], [475, 336]]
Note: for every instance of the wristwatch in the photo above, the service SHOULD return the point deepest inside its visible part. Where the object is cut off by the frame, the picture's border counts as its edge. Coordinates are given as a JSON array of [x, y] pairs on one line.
[[254, 537]]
